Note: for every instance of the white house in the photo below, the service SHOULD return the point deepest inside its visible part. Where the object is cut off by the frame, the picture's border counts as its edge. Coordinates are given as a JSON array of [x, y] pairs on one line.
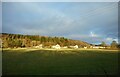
[[75, 47], [101, 47], [56, 46], [65, 47], [85, 47], [96, 47]]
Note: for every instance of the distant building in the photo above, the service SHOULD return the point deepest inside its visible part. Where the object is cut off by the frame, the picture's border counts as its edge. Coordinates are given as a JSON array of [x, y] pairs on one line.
[[65, 47], [56, 46], [85, 47], [75, 47]]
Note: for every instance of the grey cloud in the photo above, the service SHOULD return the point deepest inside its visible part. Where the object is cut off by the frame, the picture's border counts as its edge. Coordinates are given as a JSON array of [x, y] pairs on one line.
[[72, 22]]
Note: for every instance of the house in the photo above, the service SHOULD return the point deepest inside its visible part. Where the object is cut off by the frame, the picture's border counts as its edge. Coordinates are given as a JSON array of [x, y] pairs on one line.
[[85, 47], [65, 47], [101, 47], [56, 46], [75, 47]]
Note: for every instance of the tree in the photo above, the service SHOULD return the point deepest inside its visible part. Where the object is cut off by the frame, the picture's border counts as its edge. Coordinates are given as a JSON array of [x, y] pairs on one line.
[[43, 39], [118, 46], [11, 43], [103, 44], [114, 45], [18, 40], [18, 43], [5, 44]]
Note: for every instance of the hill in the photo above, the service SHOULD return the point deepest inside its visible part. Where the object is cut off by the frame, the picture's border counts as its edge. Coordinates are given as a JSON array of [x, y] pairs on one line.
[[19, 40]]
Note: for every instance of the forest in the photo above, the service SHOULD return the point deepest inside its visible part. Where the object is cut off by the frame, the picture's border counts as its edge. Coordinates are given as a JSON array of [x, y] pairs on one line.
[[19, 40]]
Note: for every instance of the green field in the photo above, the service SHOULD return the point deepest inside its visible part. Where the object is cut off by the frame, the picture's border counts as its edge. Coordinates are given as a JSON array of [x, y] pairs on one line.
[[60, 62]]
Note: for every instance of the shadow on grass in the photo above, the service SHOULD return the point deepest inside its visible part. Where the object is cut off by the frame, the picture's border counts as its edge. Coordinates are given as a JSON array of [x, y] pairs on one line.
[[54, 62]]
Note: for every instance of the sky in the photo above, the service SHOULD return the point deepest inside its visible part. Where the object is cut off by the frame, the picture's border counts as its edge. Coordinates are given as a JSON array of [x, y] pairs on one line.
[[92, 22]]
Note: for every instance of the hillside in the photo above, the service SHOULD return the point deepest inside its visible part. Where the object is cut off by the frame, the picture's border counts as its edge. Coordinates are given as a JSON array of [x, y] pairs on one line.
[[19, 40]]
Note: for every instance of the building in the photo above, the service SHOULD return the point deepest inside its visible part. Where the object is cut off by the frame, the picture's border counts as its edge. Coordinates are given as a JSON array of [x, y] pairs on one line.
[[85, 47], [56, 46], [65, 47], [75, 47]]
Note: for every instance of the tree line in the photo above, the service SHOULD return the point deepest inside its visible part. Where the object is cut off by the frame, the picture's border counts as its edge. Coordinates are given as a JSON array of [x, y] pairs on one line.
[[113, 45], [18, 40]]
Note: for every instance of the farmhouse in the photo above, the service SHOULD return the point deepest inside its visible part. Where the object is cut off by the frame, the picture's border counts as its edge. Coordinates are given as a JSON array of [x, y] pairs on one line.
[[85, 47], [75, 47], [65, 47], [56, 46]]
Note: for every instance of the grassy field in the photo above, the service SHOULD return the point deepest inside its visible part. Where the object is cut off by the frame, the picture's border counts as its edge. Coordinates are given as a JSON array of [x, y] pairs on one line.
[[59, 62]]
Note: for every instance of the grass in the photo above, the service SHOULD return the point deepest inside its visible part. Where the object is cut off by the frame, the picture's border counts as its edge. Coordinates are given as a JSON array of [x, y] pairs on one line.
[[59, 62]]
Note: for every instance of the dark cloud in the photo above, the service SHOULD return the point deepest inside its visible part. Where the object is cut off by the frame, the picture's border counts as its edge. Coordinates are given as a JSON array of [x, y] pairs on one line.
[[71, 20]]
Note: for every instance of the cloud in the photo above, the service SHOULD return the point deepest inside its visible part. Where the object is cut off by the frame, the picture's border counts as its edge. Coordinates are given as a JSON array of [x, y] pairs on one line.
[[93, 34], [111, 39], [91, 22], [60, 1]]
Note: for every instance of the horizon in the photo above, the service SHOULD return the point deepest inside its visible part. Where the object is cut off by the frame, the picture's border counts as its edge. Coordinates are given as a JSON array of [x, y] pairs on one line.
[[59, 37], [92, 22]]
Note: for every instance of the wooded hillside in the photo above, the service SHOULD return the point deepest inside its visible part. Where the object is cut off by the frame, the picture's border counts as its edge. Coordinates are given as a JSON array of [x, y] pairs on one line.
[[18, 40]]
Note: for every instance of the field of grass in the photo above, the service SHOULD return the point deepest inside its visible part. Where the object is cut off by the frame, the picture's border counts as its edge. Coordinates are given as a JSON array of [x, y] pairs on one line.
[[59, 62]]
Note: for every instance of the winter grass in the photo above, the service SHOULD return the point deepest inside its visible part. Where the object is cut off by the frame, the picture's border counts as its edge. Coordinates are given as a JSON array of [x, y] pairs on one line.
[[59, 62]]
